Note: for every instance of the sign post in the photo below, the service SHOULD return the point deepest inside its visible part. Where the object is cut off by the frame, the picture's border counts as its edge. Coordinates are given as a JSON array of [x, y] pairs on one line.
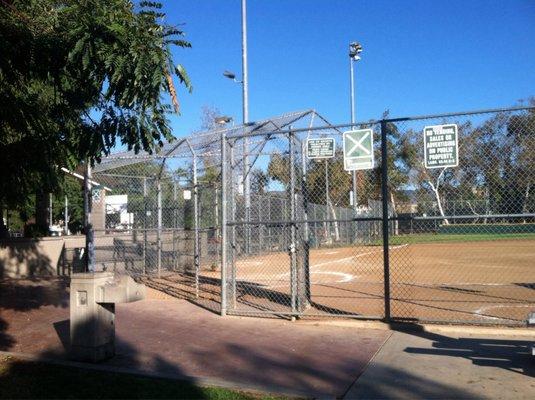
[[441, 146], [320, 148], [358, 150]]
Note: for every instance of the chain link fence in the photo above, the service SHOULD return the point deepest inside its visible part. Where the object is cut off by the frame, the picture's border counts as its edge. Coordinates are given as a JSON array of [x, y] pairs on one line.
[[468, 232], [399, 241], [241, 220], [157, 220]]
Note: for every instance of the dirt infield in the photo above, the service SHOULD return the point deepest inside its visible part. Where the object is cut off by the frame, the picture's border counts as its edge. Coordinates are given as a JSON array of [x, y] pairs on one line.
[[484, 281]]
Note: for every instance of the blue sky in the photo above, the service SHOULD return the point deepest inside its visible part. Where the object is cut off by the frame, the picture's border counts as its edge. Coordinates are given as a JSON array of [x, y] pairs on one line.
[[419, 57]]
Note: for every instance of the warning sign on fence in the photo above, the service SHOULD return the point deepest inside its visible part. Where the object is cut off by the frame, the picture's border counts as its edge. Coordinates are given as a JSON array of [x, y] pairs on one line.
[[441, 147], [358, 150], [320, 148]]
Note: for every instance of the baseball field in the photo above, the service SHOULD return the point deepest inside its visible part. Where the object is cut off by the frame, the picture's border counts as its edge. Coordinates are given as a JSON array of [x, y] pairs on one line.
[[479, 278]]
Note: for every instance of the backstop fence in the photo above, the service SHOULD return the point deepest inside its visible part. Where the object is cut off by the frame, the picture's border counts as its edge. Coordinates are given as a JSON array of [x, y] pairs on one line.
[[244, 221]]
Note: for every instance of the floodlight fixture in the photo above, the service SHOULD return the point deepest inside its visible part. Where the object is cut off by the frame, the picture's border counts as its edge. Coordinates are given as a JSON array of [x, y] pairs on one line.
[[355, 48], [224, 119], [230, 75]]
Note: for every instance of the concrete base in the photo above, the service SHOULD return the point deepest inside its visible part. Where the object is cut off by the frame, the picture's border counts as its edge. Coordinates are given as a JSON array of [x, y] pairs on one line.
[[93, 354]]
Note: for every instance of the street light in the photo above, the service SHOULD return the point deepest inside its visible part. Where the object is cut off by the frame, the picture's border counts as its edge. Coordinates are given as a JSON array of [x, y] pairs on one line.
[[231, 75], [355, 48], [222, 120]]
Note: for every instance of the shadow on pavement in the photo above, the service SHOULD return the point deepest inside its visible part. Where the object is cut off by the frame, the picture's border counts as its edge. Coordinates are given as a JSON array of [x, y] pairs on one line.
[[393, 383], [24, 295], [512, 355], [18, 379], [404, 370]]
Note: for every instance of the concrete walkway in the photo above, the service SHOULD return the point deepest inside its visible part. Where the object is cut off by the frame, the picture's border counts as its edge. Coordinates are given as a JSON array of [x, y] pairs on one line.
[[174, 338], [322, 359], [425, 365]]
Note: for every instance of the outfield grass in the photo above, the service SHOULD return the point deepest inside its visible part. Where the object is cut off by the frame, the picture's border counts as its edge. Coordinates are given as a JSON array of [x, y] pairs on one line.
[[22, 379], [447, 238]]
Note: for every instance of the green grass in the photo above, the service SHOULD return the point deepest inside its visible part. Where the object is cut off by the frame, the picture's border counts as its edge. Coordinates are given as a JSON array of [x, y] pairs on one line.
[[447, 238], [22, 379]]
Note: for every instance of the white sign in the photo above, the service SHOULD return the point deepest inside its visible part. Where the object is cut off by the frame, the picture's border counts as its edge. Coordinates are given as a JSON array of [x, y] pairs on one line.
[[96, 194], [319, 148], [187, 194], [358, 150], [116, 203], [441, 146]]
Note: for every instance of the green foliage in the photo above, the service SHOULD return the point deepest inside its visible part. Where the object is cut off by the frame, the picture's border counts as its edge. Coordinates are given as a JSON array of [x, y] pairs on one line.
[[72, 189], [78, 77], [259, 181], [279, 168], [339, 181], [496, 158]]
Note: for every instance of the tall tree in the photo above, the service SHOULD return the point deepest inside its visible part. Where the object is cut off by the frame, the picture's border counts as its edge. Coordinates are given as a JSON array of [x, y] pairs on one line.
[[78, 77]]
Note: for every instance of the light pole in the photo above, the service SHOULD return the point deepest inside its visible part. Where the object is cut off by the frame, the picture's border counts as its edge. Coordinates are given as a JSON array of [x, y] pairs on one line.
[[354, 50], [245, 94]]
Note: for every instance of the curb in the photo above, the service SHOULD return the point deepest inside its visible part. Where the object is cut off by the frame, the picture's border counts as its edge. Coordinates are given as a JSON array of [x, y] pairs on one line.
[[431, 328]]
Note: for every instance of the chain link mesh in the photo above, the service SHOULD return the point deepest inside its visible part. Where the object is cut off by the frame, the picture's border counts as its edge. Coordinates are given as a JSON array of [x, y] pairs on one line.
[[466, 235], [158, 221], [281, 234]]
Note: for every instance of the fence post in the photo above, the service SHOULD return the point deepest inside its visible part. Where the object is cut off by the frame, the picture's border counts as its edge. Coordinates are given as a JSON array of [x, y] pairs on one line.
[[385, 219], [327, 203], [89, 233], [196, 245], [232, 197], [175, 224], [261, 240], [159, 231], [292, 248], [144, 225], [223, 225], [270, 238], [66, 217], [306, 230]]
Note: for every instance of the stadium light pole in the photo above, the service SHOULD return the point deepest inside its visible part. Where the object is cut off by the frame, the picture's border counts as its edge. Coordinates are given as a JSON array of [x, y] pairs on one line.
[[354, 50], [245, 108]]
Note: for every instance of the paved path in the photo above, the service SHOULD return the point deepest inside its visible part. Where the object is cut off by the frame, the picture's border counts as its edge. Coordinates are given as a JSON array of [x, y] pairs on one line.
[[176, 338], [320, 359], [424, 365]]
